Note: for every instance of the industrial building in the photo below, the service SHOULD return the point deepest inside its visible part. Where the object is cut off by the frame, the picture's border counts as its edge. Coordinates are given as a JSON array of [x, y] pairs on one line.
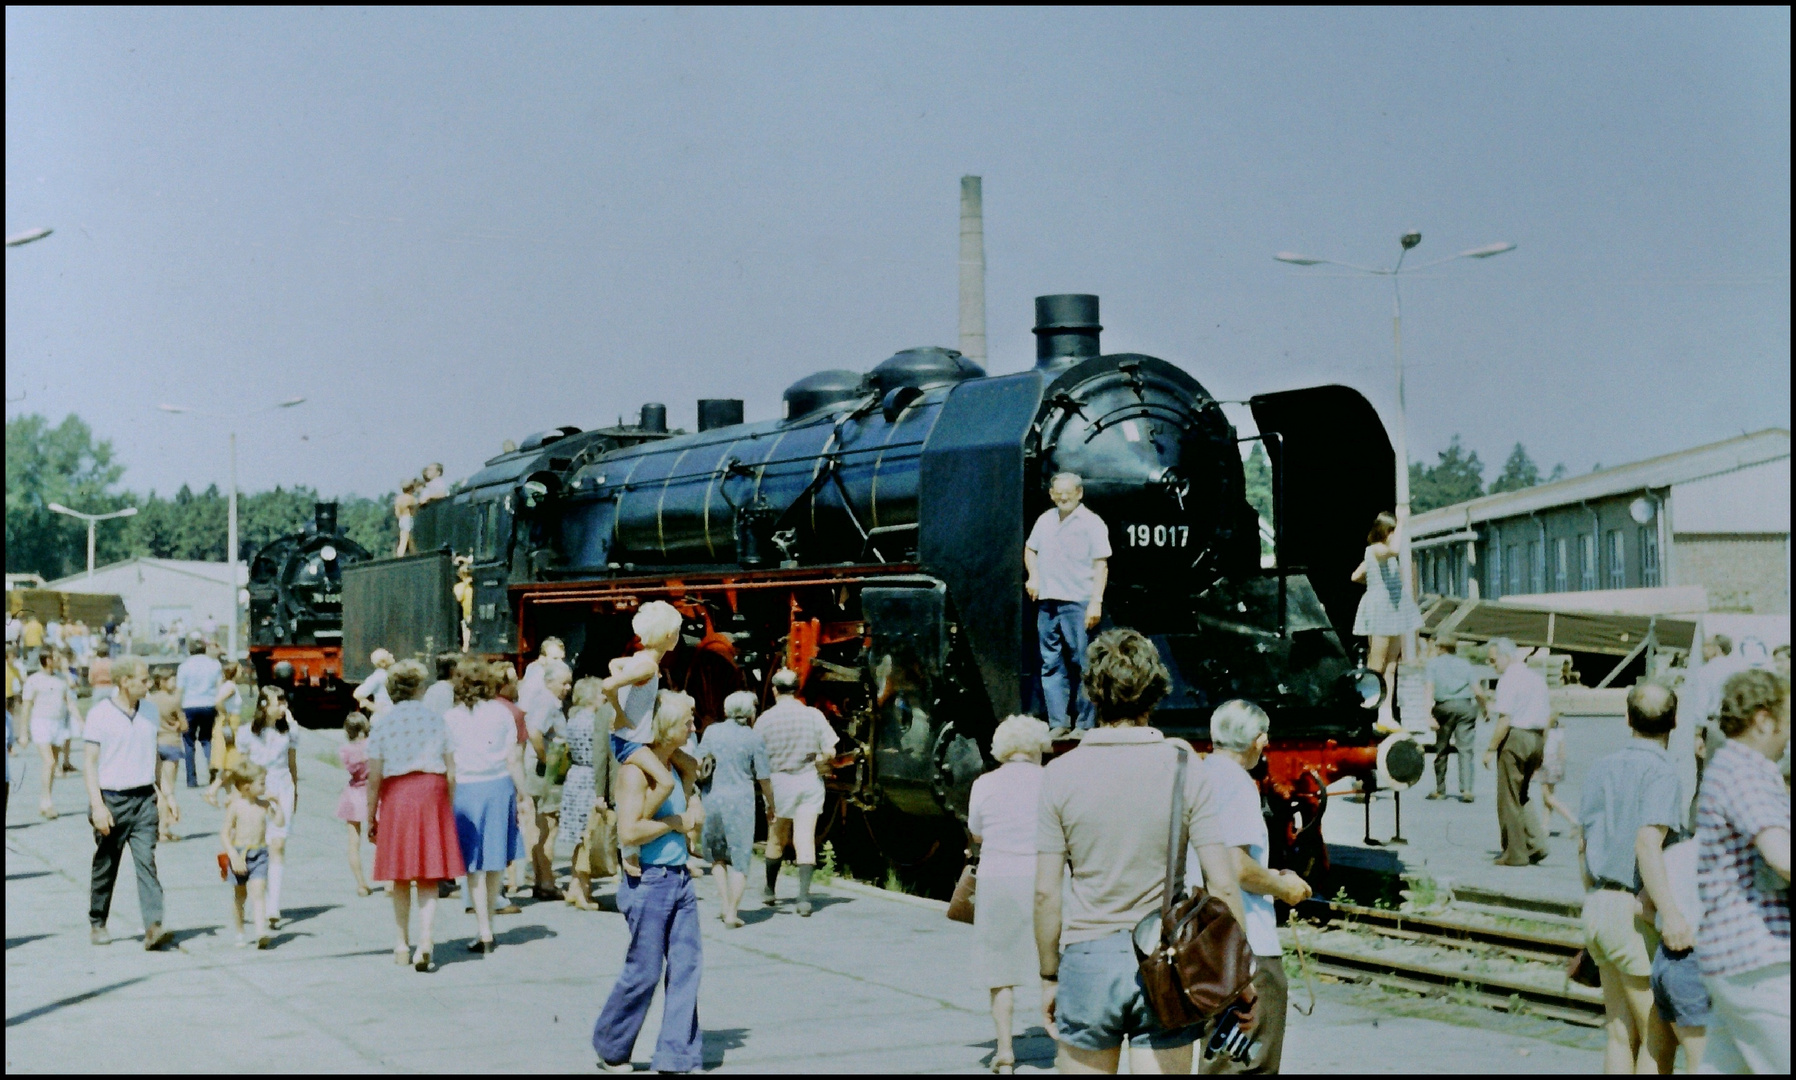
[[1714, 518], [160, 592]]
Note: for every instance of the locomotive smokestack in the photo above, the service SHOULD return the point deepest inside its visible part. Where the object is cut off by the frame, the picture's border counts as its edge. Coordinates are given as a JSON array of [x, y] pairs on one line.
[[324, 518], [972, 270], [1066, 329], [654, 417]]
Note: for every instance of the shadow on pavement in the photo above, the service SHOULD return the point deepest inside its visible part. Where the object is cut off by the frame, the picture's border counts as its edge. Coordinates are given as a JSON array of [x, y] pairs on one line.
[[178, 938], [721, 1040], [456, 951], [286, 936], [301, 914], [28, 876], [25, 939], [42, 1010]]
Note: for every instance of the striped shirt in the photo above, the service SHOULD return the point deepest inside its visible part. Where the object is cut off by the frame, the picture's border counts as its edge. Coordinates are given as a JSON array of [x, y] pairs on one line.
[[1745, 921]]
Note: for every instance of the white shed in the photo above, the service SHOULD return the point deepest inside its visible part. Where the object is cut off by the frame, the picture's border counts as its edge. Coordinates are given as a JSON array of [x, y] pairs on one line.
[[158, 592]]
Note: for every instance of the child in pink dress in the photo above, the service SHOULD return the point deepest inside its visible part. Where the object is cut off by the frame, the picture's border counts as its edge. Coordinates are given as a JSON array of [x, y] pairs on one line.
[[352, 805]]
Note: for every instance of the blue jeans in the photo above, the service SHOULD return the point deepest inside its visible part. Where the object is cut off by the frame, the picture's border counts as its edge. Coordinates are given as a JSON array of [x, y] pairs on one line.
[[1060, 630], [199, 730], [1101, 1004], [661, 910]]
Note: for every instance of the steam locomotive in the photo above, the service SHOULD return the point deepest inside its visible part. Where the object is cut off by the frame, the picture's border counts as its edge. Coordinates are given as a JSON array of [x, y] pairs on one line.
[[296, 616], [871, 539]]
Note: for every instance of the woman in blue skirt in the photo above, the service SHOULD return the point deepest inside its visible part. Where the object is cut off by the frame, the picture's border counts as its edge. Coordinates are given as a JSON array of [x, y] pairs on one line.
[[489, 770]]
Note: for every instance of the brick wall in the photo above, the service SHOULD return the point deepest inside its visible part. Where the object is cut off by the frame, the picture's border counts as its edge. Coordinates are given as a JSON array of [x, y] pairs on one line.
[[1742, 572]]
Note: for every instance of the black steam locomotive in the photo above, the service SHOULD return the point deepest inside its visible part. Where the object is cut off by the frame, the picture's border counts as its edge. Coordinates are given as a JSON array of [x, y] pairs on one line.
[[296, 616], [871, 539]]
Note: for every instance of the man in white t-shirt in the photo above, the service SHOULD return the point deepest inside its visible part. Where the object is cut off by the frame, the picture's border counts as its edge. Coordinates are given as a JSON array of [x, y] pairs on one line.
[[1067, 556], [1522, 708], [1238, 734], [121, 800]]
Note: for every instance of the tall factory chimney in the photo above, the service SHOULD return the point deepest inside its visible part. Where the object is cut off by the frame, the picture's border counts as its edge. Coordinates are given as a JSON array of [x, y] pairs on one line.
[[972, 270]]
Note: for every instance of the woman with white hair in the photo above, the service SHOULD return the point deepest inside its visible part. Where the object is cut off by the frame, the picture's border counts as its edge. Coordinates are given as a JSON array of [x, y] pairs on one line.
[[1001, 819], [739, 759]]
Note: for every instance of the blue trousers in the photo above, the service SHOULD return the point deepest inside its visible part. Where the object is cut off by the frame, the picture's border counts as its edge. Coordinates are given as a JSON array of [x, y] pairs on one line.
[[1060, 630], [199, 730], [661, 910]]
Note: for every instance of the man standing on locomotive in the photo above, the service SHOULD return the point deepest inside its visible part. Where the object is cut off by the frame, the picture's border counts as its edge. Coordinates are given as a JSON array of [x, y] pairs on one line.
[[1067, 557]]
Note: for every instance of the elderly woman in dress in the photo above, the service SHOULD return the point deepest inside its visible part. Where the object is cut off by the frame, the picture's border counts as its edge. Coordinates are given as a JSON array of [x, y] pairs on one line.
[[489, 770], [739, 759], [411, 791], [591, 776], [545, 724], [1001, 819]]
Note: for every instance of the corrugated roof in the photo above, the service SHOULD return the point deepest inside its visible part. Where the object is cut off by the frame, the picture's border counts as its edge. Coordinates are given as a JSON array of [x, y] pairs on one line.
[[1659, 472], [210, 571]]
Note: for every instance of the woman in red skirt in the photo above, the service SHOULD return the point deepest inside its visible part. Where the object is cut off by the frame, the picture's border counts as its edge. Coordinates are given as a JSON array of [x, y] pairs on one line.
[[411, 817]]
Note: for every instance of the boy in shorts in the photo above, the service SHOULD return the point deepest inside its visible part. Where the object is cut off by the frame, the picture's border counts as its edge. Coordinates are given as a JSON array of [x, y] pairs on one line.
[[245, 837]]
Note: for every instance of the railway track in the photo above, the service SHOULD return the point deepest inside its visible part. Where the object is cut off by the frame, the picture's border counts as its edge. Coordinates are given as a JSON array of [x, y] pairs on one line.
[[1483, 952]]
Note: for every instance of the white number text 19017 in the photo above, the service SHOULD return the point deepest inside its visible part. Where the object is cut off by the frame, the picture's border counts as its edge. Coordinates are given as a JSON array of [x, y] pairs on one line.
[[1174, 536]]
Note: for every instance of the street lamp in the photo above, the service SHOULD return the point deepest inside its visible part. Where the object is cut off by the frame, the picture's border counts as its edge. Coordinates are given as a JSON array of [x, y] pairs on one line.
[[231, 538], [1407, 240], [91, 519]]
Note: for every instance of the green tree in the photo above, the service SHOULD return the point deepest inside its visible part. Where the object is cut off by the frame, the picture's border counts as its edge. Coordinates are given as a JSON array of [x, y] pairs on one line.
[[1457, 476], [370, 523], [1258, 472], [61, 464], [1519, 471]]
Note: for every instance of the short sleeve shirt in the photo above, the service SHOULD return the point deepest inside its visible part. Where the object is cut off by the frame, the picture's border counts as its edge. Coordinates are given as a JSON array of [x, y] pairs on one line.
[[375, 687], [1452, 677], [740, 754], [796, 735], [127, 745], [408, 738], [197, 678], [1065, 549], [1104, 809], [49, 696], [1003, 811], [1745, 919], [482, 737], [1624, 792], [1243, 825], [1522, 696]]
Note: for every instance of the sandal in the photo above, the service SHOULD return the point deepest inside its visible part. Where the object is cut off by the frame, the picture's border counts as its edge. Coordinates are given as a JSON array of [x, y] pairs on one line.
[[47, 811], [402, 955], [421, 961], [1003, 1066], [363, 890]]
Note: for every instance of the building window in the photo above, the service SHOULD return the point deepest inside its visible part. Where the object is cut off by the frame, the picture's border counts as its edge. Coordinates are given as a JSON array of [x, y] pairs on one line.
[[1587, 562], [1493, 561], [1618, 567], [1537, 567], [1517, 570], [1561, 565], [1649, 557]]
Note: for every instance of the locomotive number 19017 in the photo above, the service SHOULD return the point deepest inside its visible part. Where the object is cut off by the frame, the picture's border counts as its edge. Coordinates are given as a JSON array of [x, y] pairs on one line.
[[1160, 536]]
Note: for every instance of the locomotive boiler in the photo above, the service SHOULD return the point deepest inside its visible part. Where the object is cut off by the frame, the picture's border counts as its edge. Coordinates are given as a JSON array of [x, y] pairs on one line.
[[871, 539], [296, 616]]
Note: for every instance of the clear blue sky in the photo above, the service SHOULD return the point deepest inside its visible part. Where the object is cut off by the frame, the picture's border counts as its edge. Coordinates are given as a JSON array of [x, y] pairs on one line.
[[449, 228]]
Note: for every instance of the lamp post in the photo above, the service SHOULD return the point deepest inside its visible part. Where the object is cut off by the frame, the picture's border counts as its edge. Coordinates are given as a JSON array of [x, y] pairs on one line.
[[91, 519], [1407, 240], [231, 516]]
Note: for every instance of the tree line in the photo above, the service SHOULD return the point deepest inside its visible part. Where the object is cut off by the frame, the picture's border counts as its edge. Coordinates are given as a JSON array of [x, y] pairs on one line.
[[1455, 477], [63, 463]]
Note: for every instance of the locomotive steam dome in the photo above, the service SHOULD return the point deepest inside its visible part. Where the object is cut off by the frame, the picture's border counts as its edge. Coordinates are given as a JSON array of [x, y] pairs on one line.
[[924, 368], [820, 391]]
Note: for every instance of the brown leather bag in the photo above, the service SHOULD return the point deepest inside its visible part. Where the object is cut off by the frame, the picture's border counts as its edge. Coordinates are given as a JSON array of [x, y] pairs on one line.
[[1194, 956], [960, 905]]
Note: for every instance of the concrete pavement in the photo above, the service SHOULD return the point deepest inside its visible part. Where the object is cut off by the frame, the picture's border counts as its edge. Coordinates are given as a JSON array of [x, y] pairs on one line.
[[869, 983]]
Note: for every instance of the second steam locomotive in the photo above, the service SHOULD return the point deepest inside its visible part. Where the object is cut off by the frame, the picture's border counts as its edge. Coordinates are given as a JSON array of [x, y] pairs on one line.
[[871, 539]]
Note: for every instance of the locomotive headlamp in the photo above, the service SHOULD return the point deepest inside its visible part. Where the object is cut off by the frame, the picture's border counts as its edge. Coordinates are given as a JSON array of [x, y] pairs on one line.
[[1410, 239], [1368, 685], [328, 554]]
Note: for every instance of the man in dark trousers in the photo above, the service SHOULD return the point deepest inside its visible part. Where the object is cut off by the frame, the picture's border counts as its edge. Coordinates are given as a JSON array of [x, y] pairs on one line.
[[121, 798]]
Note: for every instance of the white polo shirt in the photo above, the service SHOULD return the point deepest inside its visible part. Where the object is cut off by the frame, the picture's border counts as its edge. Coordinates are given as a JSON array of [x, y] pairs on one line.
[[127, 744], [1065, 549], [1522, 696]]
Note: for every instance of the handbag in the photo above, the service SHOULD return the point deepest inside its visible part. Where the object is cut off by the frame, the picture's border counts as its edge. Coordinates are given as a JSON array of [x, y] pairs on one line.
[[557, 759], [1194, 956], [599, 845], [960, 905]]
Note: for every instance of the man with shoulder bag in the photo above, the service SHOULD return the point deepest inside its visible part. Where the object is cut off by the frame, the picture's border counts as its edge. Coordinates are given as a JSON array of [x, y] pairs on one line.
[[1126, 957]]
